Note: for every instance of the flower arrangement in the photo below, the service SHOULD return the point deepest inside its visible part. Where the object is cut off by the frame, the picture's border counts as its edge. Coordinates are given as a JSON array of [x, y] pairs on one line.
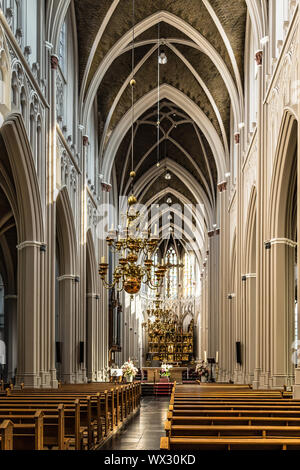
[[129, 369], [202, 370], [165, 370]]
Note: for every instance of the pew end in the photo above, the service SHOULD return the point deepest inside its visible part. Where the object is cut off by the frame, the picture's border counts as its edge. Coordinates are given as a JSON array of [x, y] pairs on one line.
[[164, 443], [168, 428], [6, 433]]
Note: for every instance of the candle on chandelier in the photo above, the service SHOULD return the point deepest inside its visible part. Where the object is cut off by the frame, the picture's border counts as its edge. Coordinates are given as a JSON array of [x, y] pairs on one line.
[[205, 356], [217, 357], [103, 260]]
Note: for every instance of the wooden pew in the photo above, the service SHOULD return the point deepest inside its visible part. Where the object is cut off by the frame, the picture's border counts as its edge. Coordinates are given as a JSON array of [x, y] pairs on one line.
[[263, 431], [61, 423], [102, 408], [231, 419], [6, 435], [100, 413], [183, 443]]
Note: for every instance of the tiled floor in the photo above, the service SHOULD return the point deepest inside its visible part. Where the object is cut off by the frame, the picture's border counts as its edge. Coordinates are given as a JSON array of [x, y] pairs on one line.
[[145, 429]]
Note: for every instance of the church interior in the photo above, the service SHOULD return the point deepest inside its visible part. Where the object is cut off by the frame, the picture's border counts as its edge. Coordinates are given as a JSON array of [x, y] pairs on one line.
[[149, 220]]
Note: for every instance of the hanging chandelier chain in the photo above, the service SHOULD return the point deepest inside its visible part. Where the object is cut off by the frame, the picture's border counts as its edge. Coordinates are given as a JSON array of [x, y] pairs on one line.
[[132, 85], [133, 244], [158, 95]]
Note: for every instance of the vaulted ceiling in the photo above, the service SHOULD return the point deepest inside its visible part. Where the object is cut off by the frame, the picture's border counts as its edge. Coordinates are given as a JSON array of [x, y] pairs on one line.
[[202, 84]]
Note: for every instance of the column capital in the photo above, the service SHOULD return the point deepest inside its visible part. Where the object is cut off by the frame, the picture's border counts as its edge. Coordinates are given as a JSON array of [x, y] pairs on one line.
[[48, 45], [259, 57], [68, 277], [54, 62], [212, 233], [248, 276], [85, 140], [283, 241], [93, 296], [237, 136], [30, 244], [106, 187], [222, 186]]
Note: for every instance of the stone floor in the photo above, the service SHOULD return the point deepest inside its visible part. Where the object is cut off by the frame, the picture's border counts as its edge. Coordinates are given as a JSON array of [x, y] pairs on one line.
[[144, 431]]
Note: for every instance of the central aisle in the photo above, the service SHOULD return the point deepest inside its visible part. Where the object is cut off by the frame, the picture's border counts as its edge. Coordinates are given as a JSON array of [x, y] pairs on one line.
[[145, 429]]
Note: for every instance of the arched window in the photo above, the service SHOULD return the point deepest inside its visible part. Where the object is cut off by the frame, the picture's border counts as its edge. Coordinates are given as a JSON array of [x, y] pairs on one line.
[[172, 276], [13, 12], [62, 47], [189, 275], [66, 78], [251, 82], [31, 23], [279, 15]]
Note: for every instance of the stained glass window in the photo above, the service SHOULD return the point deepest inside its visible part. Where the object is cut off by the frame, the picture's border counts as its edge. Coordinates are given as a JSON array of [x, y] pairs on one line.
[[189, 275]]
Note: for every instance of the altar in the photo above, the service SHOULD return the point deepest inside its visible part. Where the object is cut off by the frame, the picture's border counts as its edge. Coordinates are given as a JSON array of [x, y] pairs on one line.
[[153, 374]]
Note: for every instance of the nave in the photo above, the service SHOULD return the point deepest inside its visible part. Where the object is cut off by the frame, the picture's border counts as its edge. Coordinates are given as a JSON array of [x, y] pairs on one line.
[[146, 428], [149, 220]]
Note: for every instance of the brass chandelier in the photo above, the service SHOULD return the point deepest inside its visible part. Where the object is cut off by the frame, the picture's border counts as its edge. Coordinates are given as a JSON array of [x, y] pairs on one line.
[[133, 245], [159, 318]]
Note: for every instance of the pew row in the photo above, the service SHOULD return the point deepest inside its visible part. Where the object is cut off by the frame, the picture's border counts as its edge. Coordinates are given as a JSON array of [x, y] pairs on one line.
[[74, 417]]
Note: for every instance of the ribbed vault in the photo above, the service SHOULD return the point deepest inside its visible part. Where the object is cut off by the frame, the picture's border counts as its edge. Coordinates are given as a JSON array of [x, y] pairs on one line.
[[200, 106]]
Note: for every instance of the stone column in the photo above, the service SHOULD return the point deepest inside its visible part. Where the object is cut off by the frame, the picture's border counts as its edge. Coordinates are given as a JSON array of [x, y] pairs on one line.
[[237, 301], [250, 303], [50, 261], [44, 331], [243, 335], [282, 308], [68, 326], [260, 235], [11, 333], [82, 370], [91, 350], [223, 282], [213, 298], [103, 330], [29, 289], [296, 387], [204, 317]]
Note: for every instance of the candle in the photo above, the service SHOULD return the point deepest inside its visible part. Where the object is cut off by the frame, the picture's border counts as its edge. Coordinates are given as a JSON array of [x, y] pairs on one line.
[[217, 357], [155, 231], [205, 356], [103, 260]]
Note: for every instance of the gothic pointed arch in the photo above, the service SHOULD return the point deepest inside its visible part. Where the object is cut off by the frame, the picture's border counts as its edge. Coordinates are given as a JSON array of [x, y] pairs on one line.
[[284, 170], [66, 233], [28, 199]]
